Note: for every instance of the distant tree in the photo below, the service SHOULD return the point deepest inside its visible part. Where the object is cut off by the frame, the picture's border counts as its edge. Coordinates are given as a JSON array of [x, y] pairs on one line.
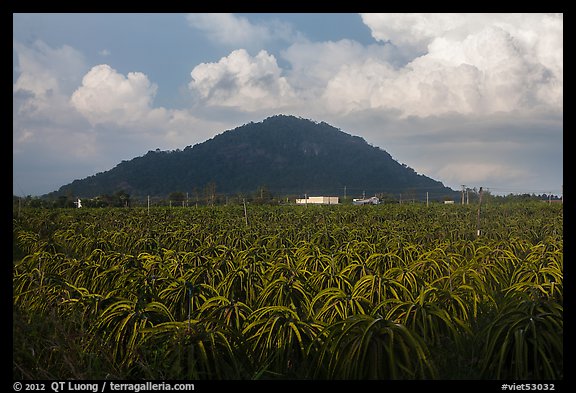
[[263, 195], [177, 197], [122, 199], [196, 195], [409, 195], [386, 197], [106, 200], [240, 198], [210, 193], [36, 202], [63, 201]]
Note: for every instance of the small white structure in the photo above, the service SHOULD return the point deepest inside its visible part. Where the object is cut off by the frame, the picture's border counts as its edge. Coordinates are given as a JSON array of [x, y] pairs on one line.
[[78, 203], [367, 201], [319, 200], [448, 202]]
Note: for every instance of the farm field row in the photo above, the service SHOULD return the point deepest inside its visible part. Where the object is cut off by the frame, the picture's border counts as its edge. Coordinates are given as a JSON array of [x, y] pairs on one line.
[[289, 292]]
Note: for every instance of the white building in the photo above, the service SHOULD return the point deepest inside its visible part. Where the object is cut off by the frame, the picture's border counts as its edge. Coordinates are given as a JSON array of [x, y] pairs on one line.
[[319, 200]]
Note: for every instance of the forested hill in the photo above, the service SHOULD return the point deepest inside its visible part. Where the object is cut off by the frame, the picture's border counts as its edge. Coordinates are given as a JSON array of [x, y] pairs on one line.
[[285, 154]]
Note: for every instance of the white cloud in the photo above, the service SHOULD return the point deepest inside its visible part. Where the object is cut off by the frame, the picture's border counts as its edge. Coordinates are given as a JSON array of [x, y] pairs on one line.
[[233, 30], [462, 63], [47, 132], [412, 31], [240, 80], [43, 121], [313, 64], [107, 96], [45, 76], [43, 68], [112, 101], [542, 32]]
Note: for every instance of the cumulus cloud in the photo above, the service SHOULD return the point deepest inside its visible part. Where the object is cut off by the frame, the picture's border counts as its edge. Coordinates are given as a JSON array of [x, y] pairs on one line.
[[43, 120], [314, 64], [411, 31], [45, 76], [108, 96], [42, 68], [241, 80], [110, 100], [418, 30], [233, 30], [458, 63], [463, 63], [47, 132], [50, 138]]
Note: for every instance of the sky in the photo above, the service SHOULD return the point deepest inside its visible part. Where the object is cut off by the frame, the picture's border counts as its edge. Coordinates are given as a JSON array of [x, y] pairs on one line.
[[467, 99]]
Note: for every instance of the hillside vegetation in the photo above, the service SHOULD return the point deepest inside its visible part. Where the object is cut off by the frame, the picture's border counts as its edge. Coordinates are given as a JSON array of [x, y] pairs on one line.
[[285, 154]]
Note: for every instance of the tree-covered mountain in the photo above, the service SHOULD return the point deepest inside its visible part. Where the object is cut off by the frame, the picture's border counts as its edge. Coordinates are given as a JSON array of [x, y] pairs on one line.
[[285, 154]]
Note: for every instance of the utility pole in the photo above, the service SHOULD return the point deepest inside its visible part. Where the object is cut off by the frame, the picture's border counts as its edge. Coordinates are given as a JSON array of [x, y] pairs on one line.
[[426, 198], [478, 218], [463, 189], [245, 212]]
